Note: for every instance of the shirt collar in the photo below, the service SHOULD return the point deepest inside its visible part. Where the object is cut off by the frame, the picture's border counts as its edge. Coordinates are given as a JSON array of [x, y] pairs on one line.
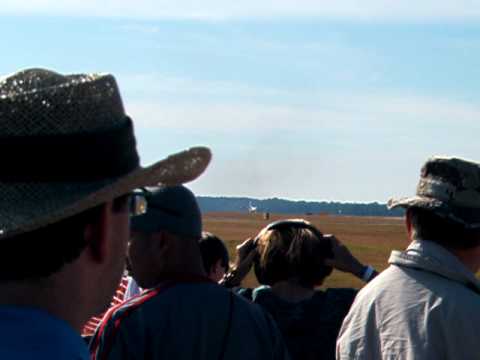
[[429, 256]]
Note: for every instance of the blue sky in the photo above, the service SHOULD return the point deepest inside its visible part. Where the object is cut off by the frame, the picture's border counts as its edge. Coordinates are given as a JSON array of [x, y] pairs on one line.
[[311, 100]]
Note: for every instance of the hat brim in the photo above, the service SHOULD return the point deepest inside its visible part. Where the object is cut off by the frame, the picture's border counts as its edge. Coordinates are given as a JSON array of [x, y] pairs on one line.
[[468, 217], [29, 206], [415, 201]]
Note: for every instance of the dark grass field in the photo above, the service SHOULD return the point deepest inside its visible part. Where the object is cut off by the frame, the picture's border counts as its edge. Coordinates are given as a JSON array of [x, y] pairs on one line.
[[371, 239]]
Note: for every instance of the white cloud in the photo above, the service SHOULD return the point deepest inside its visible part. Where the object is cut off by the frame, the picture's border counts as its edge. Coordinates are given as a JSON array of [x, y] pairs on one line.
[[360, 147], [356, 112], [154, 85], [221, 9], [352, 120]]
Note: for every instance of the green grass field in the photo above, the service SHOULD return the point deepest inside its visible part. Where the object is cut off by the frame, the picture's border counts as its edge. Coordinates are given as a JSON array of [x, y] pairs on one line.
[[370, 239]]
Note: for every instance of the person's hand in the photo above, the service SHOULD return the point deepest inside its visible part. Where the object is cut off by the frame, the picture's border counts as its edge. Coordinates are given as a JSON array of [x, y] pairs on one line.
[[246, 253], [245, 249], [343, 259]]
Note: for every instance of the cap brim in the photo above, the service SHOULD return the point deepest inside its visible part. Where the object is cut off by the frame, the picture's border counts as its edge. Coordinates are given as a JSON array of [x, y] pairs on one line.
[[468, 217], [29, 206], [415, 201]]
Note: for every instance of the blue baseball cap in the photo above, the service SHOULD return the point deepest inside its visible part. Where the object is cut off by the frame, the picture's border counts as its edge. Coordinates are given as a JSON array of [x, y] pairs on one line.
[[170, 208]]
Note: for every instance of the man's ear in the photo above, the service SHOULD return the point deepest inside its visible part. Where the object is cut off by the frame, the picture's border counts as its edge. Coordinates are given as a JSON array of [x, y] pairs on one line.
[[212, 270], [217, 267], [96, 234], [408, 223], [160, 243]]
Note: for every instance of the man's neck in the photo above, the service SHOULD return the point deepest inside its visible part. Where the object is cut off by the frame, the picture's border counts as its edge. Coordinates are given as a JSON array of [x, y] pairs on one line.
[[470, 258], [185, 259], [69, 294], [47, 298]]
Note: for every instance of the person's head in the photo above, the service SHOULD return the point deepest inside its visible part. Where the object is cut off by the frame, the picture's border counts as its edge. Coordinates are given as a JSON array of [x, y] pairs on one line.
[[446, 208], [164, 240], [214, 255], [427, 225], [69, 163], [292, 250]]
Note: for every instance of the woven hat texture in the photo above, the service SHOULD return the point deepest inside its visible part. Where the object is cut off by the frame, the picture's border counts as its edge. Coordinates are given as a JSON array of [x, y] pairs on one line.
[[42, 104]]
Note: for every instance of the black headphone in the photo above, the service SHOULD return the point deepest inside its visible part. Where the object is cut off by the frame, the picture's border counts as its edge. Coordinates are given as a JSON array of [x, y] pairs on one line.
[[292, 223], [286, 225]]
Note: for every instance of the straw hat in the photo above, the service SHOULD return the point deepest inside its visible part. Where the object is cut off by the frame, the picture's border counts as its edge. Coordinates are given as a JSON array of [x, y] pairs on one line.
[[66, 145]]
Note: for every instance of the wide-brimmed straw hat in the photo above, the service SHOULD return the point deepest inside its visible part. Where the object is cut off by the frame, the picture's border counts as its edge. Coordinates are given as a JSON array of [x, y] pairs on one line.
[[449, 187], [67, 145]]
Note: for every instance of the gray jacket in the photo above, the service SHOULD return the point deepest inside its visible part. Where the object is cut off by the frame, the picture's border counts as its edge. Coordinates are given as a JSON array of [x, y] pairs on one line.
[[426, 305]]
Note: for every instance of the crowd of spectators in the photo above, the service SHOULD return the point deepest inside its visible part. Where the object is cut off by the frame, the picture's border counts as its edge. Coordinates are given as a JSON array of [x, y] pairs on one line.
[[94, 243]]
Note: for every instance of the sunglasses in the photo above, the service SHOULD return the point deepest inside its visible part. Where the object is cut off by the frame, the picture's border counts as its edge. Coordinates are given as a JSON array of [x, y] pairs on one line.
[[137, 203]]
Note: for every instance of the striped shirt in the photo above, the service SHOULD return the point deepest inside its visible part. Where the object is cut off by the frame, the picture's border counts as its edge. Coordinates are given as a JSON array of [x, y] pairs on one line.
[[119, 296]]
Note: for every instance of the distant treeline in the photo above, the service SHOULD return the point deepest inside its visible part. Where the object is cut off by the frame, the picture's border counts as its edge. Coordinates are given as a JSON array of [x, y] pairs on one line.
[[281, 206]]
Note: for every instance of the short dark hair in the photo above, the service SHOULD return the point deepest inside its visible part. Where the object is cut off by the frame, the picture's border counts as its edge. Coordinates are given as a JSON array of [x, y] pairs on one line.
[[40, 253], [292, 254], [427, 225], [212, 249]]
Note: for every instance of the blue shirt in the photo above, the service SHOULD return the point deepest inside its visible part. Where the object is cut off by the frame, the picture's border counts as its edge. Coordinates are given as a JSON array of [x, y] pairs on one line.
[[28, 333]]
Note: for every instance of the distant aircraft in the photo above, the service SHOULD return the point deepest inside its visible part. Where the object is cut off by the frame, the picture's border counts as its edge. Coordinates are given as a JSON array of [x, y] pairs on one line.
[[251, 208]]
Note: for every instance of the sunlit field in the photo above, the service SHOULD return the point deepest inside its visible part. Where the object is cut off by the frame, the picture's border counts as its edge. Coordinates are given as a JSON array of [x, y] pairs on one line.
[[369, 238]]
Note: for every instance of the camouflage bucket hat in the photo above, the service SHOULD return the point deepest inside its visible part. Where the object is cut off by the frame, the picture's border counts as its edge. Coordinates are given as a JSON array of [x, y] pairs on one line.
[[450, 187], [67, 145]]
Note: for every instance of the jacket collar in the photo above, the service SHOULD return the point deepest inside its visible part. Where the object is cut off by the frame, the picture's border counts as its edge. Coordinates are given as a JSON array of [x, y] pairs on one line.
[[431, 257]]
